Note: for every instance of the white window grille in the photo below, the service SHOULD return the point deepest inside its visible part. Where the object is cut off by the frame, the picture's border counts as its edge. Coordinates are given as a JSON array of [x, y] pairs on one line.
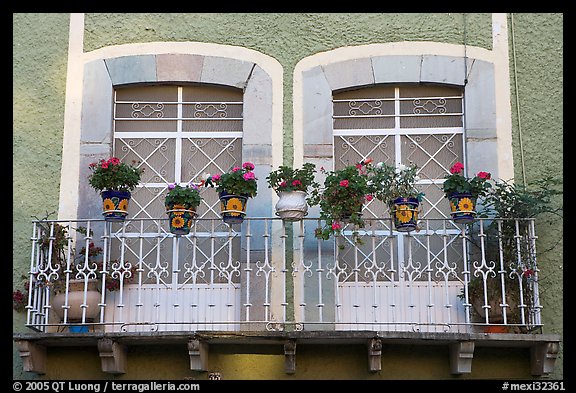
[[406, 124], [178, 134]]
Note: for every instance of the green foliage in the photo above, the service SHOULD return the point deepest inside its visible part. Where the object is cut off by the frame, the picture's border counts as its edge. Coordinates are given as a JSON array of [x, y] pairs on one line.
[[341, 199], [53, 244], [187, 197], [238, 181], [388, 182], [509, 238], [286, 178], [508, 200], [114, 175]]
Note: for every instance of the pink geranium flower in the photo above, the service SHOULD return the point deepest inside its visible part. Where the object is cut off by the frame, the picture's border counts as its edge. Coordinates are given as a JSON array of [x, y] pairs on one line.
[[343, 183], [248, 166], [483, 175], [457, 168], [248, 176], [336, 225], [236, 168]]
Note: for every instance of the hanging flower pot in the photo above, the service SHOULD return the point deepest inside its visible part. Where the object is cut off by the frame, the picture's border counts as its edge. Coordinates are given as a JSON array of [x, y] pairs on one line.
[[292, 186], [462, 207], [232, 207], [181, 203], [180, 218], [234, 188], [292, 205], [114, 179], [462, 192], [404, 212], [115, 205]]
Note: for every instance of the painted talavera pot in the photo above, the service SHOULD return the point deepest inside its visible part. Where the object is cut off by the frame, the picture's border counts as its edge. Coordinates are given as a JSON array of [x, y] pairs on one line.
[[180, 218], [404, 212], [115, 205], [232, 207], [462, 207]]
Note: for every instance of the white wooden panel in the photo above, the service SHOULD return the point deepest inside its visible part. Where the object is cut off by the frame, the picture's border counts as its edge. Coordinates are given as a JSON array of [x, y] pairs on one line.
[[175, 310], [419, 306]]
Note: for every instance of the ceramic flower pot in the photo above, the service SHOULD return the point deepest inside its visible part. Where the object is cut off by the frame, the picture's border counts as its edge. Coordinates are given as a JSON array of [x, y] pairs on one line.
[[76, 299], [115, 205], [292, 205], [404, 212], [462, 207], [180, 218], [232, 207]]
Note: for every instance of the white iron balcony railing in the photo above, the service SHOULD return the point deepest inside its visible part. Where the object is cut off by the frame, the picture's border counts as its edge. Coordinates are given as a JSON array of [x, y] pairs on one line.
[[265, 274]]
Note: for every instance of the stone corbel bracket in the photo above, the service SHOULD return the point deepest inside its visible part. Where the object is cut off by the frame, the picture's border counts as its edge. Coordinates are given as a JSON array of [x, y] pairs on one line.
[[33, 356], [290, 356], [542, 357], [112, 356], [198, 352], [374, 354], [461, 355]]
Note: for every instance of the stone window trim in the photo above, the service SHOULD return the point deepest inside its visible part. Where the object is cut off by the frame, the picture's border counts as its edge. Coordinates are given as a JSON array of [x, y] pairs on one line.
[[259, 76]]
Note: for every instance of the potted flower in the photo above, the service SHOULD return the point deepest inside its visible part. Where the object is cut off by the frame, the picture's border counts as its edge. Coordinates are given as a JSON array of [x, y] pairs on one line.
[[341, 200], [234, 188], [292, 186], [463, 192], [181, 203], [396, 187], [114, 179]]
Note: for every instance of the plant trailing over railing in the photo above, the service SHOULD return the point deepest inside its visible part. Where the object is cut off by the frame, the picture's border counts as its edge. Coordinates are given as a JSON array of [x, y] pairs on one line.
[[341, 199]]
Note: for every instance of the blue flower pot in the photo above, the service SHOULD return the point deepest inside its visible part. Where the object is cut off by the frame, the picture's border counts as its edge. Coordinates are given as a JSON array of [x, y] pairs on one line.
[[78, 329], [180, 218], [115, 205], [404, 213], [232, 207], [462, 207]]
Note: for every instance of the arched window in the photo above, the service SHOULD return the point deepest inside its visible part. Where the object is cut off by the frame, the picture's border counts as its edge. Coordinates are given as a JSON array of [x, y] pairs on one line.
[[181, 110], [392, 104]]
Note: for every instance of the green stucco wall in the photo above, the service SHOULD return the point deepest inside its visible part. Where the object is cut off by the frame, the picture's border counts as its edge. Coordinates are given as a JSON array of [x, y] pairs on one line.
[[287, 37], [538, 123], [39, 84], [40, 51]]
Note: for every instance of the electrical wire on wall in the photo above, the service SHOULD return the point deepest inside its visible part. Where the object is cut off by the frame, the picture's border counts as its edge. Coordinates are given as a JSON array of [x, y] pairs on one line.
[[523, 168], [464, 43]]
